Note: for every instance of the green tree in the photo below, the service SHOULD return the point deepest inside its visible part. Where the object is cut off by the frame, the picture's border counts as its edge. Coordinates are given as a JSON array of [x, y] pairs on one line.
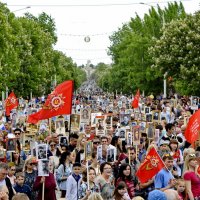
[[131, 67], [28, 61], [177, 53]]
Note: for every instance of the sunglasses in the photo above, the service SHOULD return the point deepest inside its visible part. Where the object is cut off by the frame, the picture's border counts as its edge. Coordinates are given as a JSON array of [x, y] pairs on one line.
[[192, 155], [13, 169], [32, 164], [17, 133], [96, 142], [52, 145]]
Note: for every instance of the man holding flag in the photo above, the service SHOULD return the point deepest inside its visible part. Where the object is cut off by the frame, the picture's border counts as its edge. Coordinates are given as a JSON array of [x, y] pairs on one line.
[[164, 179], [154, 165]]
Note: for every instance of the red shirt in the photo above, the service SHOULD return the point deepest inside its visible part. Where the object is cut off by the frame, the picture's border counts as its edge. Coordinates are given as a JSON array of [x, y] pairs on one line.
[[195, 182]]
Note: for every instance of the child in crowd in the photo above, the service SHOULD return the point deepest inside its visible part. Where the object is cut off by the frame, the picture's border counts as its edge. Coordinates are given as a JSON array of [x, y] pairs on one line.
[[180, 187], [73, 182], [11, 172], [20, 187], [120, 192]]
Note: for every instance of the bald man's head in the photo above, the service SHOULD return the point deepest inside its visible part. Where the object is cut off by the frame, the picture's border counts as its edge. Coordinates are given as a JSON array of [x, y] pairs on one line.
[[171, 194]]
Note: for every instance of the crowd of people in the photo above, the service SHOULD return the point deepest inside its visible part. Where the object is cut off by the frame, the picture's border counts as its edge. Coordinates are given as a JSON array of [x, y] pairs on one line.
[[100, 161]]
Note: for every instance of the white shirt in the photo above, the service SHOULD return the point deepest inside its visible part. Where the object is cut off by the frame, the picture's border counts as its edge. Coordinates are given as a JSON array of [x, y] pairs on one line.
[[2, 183]]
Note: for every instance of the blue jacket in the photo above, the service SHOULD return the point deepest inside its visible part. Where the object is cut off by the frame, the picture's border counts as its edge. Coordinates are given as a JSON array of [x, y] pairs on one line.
[[23, 189]]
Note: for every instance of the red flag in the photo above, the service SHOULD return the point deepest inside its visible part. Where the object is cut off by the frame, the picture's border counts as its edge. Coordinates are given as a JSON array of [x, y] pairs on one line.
[[193, 127], [150, 167], [10, 103], [135, 102], [59, 102]]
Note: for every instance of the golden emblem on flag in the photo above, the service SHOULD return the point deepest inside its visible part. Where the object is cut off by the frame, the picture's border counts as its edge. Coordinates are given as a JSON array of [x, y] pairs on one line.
[[54, 101], [153, 162]]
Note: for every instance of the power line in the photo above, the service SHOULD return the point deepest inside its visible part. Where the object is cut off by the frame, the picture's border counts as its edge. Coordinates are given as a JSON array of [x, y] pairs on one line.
[[93, 5], [82, 49], [83, 35]]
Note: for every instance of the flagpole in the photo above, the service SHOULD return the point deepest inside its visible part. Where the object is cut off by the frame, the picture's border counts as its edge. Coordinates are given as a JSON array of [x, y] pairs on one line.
[[129, 156], [43, 191], [50, 126], [88, 181], [136, 151], [71, 107]]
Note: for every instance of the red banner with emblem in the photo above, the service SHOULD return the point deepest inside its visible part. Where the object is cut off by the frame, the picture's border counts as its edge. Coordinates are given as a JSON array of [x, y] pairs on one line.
[[10, 103], [150, 167], [192, 131], [135, 103], [59, 102]]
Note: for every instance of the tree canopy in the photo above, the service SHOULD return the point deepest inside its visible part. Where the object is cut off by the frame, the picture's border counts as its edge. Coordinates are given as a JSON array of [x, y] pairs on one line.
[[131, 68], [177, 53], [28, 61]]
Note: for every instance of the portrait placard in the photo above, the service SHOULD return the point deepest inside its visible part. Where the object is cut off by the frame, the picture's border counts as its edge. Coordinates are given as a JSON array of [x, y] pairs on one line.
[[99, 152], [156, 115], [43, 168], [93, 118], [125, 119], [60, 126], [110, 157], [120, 104], [100, 125], [143, 108], [67, 123], [142, 126], [122, 133], [75, 122], [85, 115], [82, 127], [63, 141], [108, 121], [11, 144], [129, 139], [41, 151], [88, 150], [136, 134], [150, 131], [149, 117], [147, 110]]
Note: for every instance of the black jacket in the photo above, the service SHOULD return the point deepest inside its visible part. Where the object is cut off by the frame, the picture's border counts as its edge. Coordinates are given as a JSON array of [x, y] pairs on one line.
[[10, 188]]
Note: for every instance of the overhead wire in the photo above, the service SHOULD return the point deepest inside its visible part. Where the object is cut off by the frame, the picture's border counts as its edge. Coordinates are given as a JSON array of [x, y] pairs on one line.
[[91, 5]]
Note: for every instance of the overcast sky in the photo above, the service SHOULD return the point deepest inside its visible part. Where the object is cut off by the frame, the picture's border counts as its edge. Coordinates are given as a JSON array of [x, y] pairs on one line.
[[76, 19]]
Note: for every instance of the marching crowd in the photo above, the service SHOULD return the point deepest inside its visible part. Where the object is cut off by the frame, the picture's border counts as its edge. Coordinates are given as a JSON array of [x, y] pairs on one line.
[[103, 158]]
